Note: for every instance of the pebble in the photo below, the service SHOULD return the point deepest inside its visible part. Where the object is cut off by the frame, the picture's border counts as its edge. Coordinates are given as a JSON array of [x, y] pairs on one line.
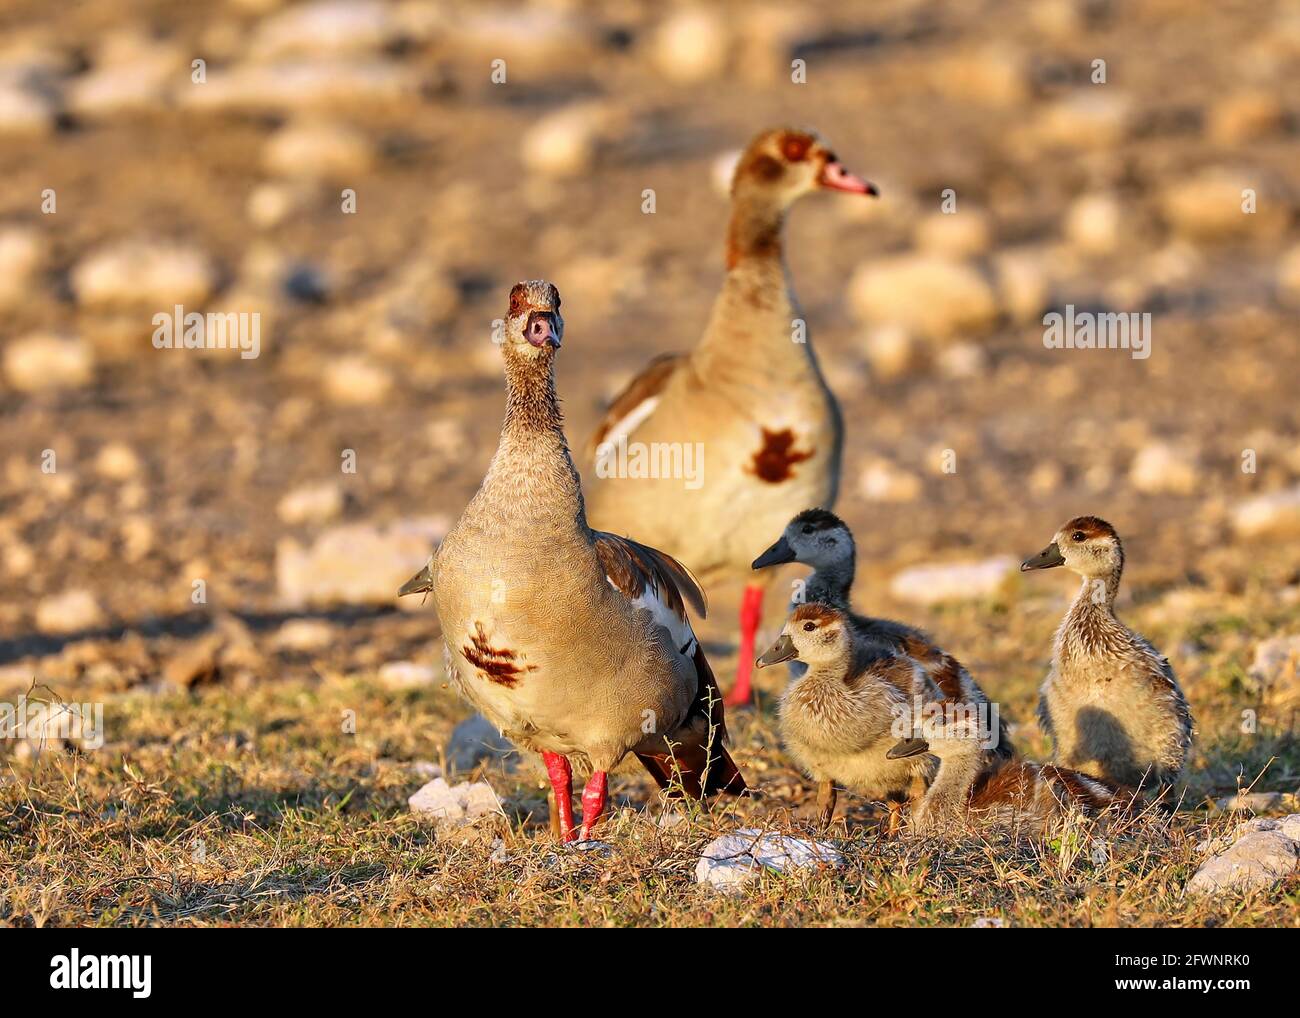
[[958, 234], [117, 461], [1244, 117], [1256, 861], [72, 611], [1276, 663], [891, 350], [462, 803], [25, 107], [732, 862], [406, 674], [1023, 288], [935, 583], [356, 380], [1094, 224], [690, 45], [1254, 802], [932, 295], [565, 143], [131, 73], [311, 503], [1288, 277], [327, 26], [46, 361], [23, 252], [318, 150], [476, 740], [324, 84], [1207, 206], [882, 481], [1273, 515], [1162, 468], [304, 635], [1092, 119], [144, 273], [360, 563]]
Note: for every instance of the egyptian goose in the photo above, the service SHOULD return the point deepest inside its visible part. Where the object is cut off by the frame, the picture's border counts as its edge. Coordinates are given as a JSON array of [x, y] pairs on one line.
[[1110, 703], [969, 790], [819, 538], [750, 395], [841, 717], [574, 643]]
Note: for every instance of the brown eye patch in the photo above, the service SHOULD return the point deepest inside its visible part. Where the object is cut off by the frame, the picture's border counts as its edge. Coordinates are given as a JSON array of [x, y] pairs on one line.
[[795, 147]]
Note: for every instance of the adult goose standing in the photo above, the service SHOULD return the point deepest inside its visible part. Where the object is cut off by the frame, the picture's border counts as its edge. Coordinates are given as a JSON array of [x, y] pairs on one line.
[[750, 398], [574, 643], [819, 538], [1110, 703]]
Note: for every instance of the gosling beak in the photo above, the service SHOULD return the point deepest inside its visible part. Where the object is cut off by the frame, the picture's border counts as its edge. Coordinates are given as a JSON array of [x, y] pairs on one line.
[[834, 177], [541, 332], [907, 747], [782, 650], [420, 583], [1045, 559], [775, 555]]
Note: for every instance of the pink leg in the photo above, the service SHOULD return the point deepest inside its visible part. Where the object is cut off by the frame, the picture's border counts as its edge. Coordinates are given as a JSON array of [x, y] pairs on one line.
[[593, 802], [561, 775], [751, 613]]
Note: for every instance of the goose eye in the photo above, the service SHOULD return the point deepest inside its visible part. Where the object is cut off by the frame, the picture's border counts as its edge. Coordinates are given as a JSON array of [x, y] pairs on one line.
[[808, 627], [1078, 535]]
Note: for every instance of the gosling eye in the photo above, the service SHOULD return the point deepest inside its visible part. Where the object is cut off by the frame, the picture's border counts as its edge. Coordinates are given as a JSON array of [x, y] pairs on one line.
[[807, 528], [808, 627], [1078, 535]]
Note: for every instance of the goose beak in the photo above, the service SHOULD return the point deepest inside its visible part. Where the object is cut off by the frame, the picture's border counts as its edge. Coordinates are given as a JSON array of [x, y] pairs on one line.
[[834, 177], [1045, 559], [541, 332], [420, 583], [907, 747], [783, 650], [775, 555]]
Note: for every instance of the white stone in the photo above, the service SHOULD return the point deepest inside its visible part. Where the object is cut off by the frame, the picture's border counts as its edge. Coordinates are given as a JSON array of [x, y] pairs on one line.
[[318, 150], [475, 740], [891, 350], [152, 274], [356, 380], [406, 674], [1276, 514], [1022, 283], [932, 295], [357, 563], [733, 861], [881, 481], [691, 45], [1277, 662], [23, 252], [327, 26], [1162, 468], [44, 361], [968, 231], [1207, 206], [117, 461], [935, 583], [564, 143], [324, 84], [131, 73], [1255, 862], [69, 612], [460, 804], [311, 503], [304, 635], [1094, 224]]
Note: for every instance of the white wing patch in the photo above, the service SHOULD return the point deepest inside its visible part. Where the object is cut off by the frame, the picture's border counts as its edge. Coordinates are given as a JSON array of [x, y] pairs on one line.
[[626, 425]]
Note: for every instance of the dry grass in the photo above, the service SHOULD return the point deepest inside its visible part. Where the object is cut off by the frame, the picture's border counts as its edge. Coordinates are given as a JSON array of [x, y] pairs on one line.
[[254, 807]]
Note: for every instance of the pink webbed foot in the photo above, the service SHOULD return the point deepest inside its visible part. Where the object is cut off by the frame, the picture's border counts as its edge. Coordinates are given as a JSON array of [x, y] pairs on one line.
[[561, 775]]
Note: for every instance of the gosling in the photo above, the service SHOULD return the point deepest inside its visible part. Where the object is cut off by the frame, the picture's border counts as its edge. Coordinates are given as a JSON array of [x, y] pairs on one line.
[[1110, 704]]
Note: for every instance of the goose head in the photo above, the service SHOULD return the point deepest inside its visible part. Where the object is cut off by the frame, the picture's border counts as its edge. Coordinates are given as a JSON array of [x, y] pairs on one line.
[[816, 537], [1085, 545], [782, 165], [533, 326], [816, 634]]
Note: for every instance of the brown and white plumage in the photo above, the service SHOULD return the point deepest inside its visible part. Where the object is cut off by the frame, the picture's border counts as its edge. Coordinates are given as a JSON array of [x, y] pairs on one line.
[[819, 538], [842, 716], [751, 394], [573, 642], [1110, 703], [968, 790]]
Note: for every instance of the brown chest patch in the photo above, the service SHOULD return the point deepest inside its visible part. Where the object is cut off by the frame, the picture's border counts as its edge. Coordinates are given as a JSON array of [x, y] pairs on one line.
[[496, 664], [775, 461]]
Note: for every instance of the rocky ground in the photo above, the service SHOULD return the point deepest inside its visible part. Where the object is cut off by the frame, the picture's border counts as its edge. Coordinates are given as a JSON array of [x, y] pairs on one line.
[[208, 544]]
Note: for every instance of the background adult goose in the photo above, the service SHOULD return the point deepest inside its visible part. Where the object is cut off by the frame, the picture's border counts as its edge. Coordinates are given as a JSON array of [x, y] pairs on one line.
[[1110, 702], [574, 643], [750, 393], [819, 538]]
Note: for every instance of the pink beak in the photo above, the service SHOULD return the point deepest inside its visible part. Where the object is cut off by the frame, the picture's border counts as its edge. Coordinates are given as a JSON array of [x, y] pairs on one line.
[[835, 177], [541, 331]]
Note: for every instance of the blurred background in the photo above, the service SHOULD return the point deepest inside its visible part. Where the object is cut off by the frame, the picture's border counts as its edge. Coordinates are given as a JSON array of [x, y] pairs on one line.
[[370, 178]]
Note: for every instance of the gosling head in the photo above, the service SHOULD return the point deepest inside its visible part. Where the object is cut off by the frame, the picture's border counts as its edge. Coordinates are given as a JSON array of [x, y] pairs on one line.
[[816, 634], [533, 326], [782, 165], [957, 730], [816, 537], [1086, 545]]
